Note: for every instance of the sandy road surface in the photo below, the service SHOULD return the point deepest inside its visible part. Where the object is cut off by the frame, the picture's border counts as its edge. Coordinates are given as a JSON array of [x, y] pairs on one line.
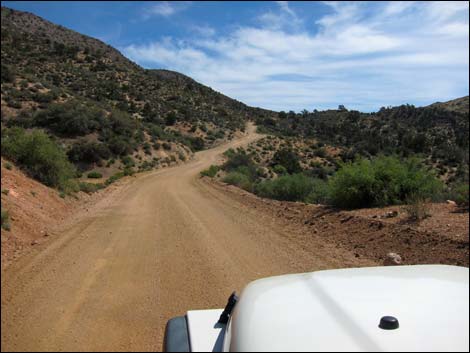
[[167, 242]]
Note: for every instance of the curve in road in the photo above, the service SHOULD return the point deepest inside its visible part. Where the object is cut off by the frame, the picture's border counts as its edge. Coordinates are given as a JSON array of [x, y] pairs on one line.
[[166, 243]]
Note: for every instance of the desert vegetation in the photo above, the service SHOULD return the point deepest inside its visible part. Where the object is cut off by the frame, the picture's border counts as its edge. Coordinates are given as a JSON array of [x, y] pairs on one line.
[[362, 183], [87, 107], [98, 107], [40, 156], [94, 175], [5, 220], [381, 181], [437, 133], [211, 171]]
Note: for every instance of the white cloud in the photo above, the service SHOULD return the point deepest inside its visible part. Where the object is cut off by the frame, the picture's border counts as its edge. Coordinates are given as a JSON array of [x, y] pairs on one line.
[[164, 8], [284, 5], [285, 18], [358, 55], [203, 30], [397, 7]]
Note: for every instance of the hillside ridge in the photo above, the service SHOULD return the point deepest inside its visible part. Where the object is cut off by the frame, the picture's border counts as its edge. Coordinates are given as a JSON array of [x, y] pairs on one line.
[[107, 112]]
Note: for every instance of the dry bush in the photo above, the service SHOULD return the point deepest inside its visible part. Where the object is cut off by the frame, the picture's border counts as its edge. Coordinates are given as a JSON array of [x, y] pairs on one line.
[[417, 208]]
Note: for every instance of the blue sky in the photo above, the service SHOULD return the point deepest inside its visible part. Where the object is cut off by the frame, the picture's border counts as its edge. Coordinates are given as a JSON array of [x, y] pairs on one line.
[[289, 55]]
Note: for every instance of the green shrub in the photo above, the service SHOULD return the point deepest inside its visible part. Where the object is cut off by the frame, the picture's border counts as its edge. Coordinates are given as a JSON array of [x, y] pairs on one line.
[[461, 196], [288, 159], [296, 187], [353, 185], [5, 220], [38, 155], [380, 182], [70, 186], [7, 74], [240, 180], [239, 159], [211, 171], [73, 118], [114, 178], [8, 166], [279, 169], [241, 169], [147, 148], [94, 175], [90, 188], [14, 104], [44, 97], [319, 171], [319, 193], [251, 171], [128, 161], [88, 152], [157, 132], [170, 119], [229, 153], [119, 146], [195, 143], [129, 171]]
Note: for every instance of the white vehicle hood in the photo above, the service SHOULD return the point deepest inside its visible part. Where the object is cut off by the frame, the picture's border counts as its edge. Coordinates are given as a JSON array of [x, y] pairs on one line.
[[340, 310]]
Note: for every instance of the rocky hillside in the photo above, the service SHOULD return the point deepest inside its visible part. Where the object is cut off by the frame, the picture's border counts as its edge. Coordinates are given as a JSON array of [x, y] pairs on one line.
[[100, 106], [460, 105], [111, 116], [437, 133]]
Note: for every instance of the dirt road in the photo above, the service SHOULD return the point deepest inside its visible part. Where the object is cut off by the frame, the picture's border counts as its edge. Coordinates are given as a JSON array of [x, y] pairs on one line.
[[167, 242]]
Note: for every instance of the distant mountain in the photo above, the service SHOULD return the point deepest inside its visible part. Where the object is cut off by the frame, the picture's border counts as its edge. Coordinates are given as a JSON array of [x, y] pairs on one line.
[[102, 106]]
